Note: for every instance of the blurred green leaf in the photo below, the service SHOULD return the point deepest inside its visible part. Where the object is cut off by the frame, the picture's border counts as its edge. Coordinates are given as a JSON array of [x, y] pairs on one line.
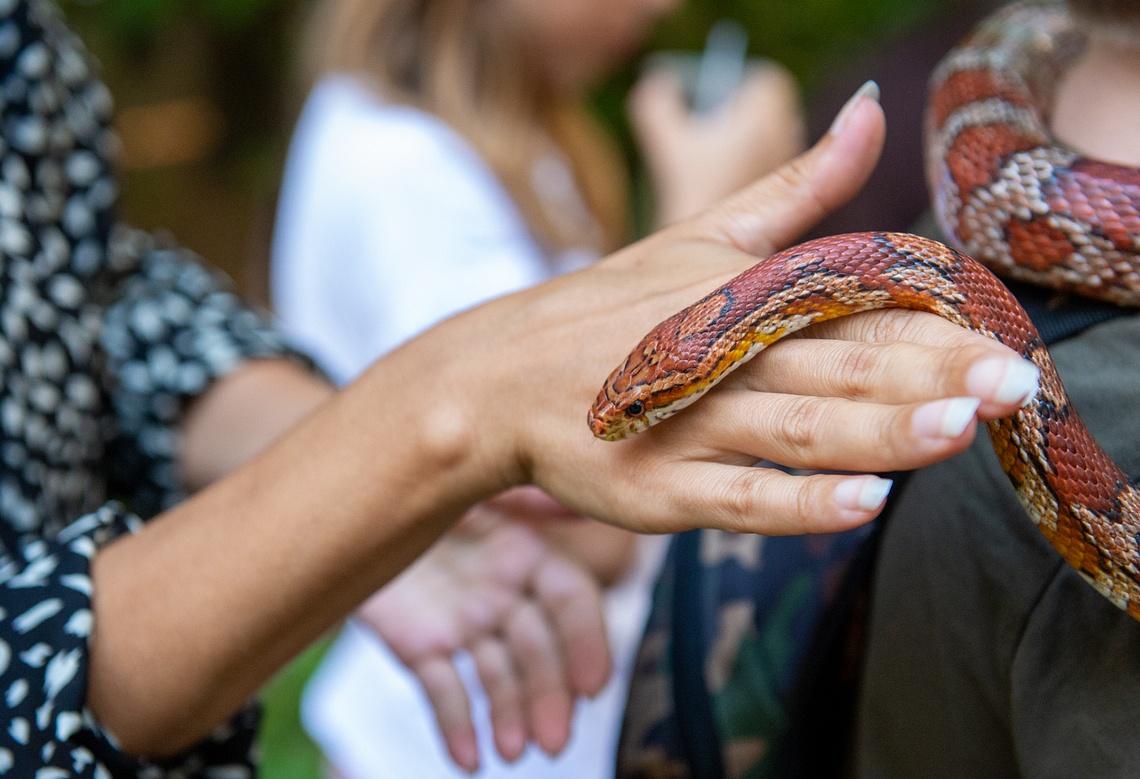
[[286, 750], [807, 36]]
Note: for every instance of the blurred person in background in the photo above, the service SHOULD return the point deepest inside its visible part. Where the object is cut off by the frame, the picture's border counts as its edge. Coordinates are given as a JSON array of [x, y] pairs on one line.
[[446, 156]]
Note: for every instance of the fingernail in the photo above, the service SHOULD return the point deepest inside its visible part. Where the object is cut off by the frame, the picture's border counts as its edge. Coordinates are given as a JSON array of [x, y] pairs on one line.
[[465, 752], [865, 493], [870, 89], [511, 743], [1005, 380], [945, 418]]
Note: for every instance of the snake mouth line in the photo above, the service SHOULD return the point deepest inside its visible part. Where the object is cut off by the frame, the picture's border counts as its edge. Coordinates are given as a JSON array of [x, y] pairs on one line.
[[605, 420], [613, 425]]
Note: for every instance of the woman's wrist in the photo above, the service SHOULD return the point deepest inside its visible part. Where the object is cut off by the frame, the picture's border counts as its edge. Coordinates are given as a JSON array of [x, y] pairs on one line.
[[444, 422], [340, 504]]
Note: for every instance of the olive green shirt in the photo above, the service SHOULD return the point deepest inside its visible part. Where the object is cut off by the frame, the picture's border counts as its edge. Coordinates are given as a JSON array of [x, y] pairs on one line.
[[987, 655]]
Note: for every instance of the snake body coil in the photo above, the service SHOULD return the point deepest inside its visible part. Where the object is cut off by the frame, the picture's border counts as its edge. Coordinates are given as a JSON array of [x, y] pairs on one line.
[[1003, 188], [1024, 205]]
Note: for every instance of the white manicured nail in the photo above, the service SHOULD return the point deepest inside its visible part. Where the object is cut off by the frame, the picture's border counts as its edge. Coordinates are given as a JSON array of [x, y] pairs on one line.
[[870, 89], [865, 493], [945, 418], [1005, 380]]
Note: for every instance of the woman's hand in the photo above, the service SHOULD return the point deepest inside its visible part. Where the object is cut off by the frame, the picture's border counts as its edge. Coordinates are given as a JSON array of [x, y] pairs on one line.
[[694, 160], [530, 617], [876, 395]]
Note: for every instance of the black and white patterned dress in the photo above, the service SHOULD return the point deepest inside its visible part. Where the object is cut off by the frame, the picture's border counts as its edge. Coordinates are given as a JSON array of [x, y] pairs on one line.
[[104, 334]]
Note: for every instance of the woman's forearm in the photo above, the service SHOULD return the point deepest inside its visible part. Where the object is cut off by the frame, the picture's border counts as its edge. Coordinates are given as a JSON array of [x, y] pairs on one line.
[[242, 413], [196, 611]]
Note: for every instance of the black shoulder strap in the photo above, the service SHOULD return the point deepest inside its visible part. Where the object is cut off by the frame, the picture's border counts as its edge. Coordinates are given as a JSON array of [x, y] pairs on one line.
[[1059, 315], [696, 727]]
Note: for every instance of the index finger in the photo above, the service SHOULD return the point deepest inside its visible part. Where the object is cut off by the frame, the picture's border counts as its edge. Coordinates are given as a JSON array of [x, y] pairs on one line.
[[898, 355], [448, 697], [900, 324], [573, 603]]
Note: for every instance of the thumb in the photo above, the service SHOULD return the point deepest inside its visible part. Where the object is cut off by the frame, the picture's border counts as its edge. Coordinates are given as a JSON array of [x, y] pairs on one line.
[[771, 213]]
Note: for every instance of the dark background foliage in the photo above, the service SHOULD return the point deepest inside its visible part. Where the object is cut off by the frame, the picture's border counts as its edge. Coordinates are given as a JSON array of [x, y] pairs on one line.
[[208, 91]]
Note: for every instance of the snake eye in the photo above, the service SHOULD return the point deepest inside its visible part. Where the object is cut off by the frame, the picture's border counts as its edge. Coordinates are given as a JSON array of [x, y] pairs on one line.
[[636, 408]]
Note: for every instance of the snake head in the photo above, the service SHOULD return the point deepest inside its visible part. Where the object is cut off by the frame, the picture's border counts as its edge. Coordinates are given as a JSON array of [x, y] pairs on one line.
[[648, 387], [615, 416]]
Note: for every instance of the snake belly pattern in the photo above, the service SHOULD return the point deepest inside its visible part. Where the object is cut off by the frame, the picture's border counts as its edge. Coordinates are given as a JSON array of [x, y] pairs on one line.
[[1019, 201]]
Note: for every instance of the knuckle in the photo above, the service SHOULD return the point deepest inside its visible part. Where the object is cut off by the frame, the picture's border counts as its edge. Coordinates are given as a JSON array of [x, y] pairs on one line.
[[794, 173], [806, 503], [434, 676], [800, 424], [680, 505], [860, 370], [527, 634], [743, 498], [889, 326], [785, 504]]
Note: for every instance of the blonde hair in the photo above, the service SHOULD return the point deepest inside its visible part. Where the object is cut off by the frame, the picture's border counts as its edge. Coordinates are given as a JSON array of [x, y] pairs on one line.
[[465, 61]]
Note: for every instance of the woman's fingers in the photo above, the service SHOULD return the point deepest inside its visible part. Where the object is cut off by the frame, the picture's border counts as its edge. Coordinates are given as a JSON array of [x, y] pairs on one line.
[[552, 649], [572, 602], [499, 676], [541, 666], [500, 592], [801, 431], [891, 325], [887, 373], [895, 372], [656, 109], [972, 364], [761, 218], [864, 408], [753, 499], [696, 159], [444, 689]]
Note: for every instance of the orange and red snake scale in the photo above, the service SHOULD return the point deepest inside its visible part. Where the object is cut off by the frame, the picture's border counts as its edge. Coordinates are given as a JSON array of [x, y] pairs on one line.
[[1005, 192]]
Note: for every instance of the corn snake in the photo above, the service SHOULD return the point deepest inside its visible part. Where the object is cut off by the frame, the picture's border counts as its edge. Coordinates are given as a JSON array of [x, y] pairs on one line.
[[1008, 194]]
